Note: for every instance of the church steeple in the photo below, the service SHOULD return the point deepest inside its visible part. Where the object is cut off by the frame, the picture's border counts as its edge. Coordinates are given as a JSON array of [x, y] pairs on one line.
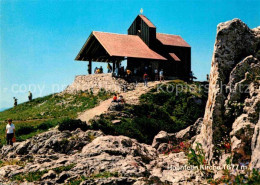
[[144, 28]]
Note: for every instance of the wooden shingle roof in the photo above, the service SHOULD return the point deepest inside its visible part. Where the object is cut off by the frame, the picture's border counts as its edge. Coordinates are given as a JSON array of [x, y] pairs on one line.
[[171, 40]]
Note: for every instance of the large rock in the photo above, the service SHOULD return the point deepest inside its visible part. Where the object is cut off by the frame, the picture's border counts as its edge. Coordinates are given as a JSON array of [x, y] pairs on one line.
[[255, 146], [170, 169], [230, 108], [112, 154], [51, 142], [161, 140]]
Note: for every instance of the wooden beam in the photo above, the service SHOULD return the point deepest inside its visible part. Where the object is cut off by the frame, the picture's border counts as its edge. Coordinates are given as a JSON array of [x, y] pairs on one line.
[[114, 66], [89, 67]]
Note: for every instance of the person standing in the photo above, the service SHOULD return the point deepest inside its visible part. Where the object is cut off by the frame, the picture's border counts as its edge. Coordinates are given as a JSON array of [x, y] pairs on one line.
[[161, 75], [30, 96], [128, 75], [109, 68], [207, 77], [145, 77], [95, 70], [116, 72], [101, 69], [10, 131], [15, 101], [192, 77], [156, 76]]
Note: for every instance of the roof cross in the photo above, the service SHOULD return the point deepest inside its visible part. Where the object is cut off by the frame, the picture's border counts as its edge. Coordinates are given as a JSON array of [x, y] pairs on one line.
[[141, 11]]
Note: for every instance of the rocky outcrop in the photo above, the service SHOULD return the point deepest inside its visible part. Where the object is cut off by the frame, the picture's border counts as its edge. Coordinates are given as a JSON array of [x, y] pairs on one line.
[[100, 159], [97, 82], [255, 146], [51, 142], [170, 169], [232, 109], [88, 153], [161, 140]]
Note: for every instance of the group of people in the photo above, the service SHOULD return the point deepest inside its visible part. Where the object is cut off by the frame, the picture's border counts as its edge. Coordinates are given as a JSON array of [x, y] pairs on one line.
[[157, 76], [146, 74], [118, 98], [29, 98], [98, 70]]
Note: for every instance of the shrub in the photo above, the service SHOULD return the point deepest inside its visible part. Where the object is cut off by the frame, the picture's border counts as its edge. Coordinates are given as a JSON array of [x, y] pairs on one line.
[[71, 124], [63, 168], [30, 177], [24, 129], [44, 126]]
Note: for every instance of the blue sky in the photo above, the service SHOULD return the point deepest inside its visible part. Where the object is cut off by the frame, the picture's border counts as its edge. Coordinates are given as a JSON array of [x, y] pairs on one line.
[[40, 38]]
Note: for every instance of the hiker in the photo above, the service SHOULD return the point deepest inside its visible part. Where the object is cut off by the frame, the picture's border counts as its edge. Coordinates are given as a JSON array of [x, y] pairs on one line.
[[101, 69], [30, 96], [161, 75], [116, 72], [15, 101], [192, 77], [156, 76], [114, 98], [121, 99], [109, 68], [95, 70], [135, 71], [145, 77], [207, 77], [128, 74], [10, 131]]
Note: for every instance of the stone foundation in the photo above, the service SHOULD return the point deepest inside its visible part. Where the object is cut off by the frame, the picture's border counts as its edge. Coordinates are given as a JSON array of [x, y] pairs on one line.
[[97, 82]]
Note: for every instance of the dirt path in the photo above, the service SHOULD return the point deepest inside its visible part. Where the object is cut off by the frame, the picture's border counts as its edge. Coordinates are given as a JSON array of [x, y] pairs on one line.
[[98, 110], [131, 97]]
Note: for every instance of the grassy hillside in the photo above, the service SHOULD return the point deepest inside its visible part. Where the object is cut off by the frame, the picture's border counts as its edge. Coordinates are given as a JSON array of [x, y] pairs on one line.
[[170, 107], [34, 117]]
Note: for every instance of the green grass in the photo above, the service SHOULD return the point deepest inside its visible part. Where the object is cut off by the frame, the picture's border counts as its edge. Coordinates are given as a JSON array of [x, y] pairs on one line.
[[37, 116], [54, 106], [63, 168], [30, 177], [170, 111]]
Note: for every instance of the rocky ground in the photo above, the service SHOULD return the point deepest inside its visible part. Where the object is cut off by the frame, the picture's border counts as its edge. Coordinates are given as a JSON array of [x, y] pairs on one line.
[[92, 154], [90, 157]]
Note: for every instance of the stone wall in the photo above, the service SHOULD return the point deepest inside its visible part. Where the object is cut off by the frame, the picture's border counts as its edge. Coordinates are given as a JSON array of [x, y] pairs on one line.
[[97, 82]]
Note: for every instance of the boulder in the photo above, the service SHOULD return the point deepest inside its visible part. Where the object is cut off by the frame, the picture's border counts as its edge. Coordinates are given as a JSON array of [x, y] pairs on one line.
[[235, 66], [255, 146], [51, 142], [115, 106], [161, 140]]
